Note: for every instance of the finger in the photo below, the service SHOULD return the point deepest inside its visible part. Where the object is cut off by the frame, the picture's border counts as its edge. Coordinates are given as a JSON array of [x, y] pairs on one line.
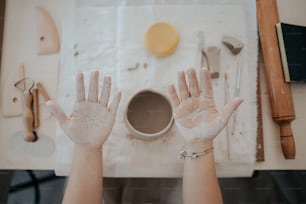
[[193, 83], [106, 89], [57, 112], [93, 87], [80, 95], [114, 104], [173, 96], [184, 93], [206, 85], [229, 108]]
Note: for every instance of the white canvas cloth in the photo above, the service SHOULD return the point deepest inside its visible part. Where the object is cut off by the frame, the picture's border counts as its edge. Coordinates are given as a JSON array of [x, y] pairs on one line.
[[110, 37]]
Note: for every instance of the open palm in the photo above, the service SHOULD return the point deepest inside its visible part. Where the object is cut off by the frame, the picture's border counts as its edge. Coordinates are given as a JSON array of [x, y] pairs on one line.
[[195, 112], [92, 118]]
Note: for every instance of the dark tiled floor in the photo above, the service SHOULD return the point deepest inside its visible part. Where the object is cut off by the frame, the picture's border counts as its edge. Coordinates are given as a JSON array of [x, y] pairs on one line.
[[50, 188], [276, 187]]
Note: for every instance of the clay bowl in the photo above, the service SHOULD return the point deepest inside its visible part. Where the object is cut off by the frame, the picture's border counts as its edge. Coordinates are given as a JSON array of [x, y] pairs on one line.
[[148, 115]]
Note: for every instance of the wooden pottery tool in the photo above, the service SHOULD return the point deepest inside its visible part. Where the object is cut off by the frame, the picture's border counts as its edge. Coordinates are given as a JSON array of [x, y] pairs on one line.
[[43, 91], [209, 58], [213, 55], [233, 44], [11, 97], [203, 56], [35, 107], [279, 91], [47, 34], [260, 153], [25, 85]]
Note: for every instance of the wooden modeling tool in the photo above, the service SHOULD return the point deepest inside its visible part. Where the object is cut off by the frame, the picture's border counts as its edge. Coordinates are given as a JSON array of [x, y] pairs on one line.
[[47, 34], [43, 91], [279, 92], [209, 58], [233, 44], [213, 55], [12, 97], [203, 55], [260, 152], [35, 108], [25, 85]]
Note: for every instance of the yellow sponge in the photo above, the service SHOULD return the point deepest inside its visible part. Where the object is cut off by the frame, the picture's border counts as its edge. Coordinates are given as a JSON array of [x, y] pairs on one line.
[[161, 39]]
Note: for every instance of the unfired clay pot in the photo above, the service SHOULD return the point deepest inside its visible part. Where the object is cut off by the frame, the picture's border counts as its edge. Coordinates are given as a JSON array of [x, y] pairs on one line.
[[148, 115]]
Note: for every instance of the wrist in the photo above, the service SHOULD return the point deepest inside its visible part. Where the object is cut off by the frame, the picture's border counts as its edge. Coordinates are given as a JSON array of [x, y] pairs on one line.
[[198, 145], [86, 148]]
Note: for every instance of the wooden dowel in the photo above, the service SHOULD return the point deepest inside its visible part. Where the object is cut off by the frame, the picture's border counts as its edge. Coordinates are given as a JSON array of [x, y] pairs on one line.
[[43, 91], [29, 135], [35, 107]]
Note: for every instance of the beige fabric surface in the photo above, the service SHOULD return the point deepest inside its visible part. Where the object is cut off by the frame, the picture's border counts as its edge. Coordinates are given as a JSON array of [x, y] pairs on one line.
[[115, 42]]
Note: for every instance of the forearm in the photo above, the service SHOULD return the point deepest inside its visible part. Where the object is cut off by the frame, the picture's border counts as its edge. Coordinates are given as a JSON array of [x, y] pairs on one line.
[[86, 178], [200, 183]]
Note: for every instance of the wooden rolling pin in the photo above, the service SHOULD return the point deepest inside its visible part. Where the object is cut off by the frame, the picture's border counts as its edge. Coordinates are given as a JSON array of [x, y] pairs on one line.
[[279, 91]]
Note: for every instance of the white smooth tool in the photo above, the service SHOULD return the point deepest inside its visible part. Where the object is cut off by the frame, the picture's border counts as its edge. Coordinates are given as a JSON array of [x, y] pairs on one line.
[[238, 79], [236, 94]]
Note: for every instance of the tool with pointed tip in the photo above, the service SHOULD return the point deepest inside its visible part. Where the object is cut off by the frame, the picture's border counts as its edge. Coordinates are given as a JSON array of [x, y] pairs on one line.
[[236, 94], [203, 56], [25, 85]]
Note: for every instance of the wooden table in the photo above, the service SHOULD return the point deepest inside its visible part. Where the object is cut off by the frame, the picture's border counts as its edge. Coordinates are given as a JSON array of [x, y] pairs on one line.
[[273, 154]]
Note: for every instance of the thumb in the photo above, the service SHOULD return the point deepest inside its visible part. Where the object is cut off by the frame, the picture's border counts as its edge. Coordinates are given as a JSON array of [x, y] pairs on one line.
[[229, 108], [57, 112]]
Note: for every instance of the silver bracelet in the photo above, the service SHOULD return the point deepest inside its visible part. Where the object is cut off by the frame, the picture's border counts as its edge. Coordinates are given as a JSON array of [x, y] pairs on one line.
[[194, 155]]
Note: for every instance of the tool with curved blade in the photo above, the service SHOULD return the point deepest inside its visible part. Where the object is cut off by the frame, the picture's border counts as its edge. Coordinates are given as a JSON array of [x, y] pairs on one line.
[[47, 35]]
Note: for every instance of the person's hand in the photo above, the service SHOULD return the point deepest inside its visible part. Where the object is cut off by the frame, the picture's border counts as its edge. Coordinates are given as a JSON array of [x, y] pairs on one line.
[[92, 118], [195, 112]]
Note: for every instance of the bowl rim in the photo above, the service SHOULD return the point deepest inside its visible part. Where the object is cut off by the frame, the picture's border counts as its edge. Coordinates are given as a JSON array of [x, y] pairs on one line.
[[148, 136]]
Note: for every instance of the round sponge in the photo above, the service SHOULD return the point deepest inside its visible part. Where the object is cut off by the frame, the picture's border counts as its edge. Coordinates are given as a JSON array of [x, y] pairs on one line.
[[161, 39]]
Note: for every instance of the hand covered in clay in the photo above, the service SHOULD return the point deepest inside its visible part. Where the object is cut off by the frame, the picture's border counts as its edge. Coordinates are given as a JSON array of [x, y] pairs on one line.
[[92, 118], [195, 112]]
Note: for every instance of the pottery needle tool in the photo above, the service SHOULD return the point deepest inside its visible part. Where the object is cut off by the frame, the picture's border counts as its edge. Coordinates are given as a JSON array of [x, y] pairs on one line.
[[227, 128], [203, 56], [25, 85], [236, 94]]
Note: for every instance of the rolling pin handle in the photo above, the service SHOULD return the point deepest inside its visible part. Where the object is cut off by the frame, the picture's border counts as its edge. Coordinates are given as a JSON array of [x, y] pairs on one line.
[[287, 140], [29, 135]]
